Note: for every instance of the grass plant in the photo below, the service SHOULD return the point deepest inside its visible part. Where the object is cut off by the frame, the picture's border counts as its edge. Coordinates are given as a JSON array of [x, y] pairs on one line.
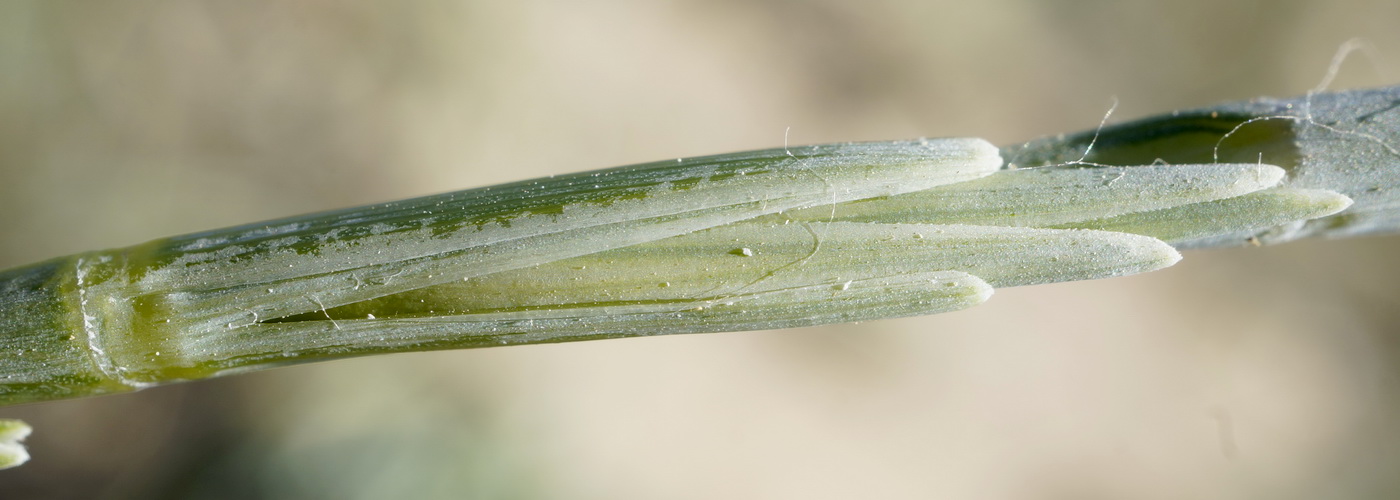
[[777, 238]]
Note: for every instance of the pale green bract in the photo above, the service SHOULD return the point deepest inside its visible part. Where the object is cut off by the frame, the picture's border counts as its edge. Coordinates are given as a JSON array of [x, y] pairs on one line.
[[181, 308], [12, 452], [766, 239]]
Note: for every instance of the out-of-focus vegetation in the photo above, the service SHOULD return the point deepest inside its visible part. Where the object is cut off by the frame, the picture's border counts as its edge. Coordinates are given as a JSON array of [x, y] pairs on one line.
[[1268, 372]]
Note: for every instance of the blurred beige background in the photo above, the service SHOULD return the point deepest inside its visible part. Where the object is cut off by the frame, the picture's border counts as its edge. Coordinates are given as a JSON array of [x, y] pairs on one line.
[[1250, 373]]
